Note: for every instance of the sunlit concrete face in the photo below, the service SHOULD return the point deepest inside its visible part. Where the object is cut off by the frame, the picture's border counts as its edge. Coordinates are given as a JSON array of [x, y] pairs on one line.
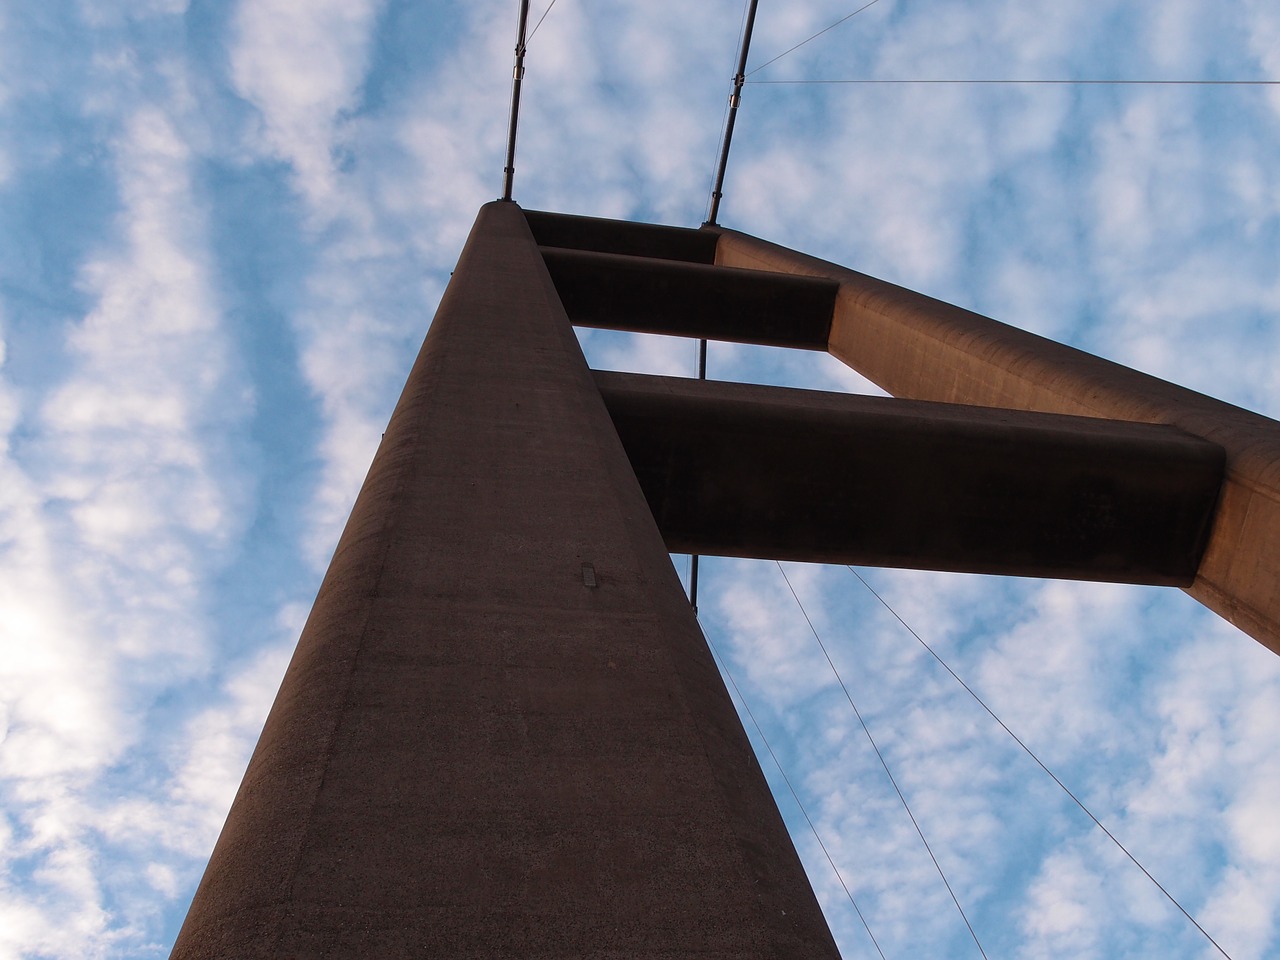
[[502, 734]]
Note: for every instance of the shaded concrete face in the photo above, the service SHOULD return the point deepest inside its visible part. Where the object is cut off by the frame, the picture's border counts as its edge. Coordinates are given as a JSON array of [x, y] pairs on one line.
[[739, 470], [645, 295], [502, 734], [622, 237], [920, 348]]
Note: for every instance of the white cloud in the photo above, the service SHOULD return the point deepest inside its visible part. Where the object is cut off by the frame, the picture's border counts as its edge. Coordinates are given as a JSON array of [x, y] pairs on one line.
[[303, 68], [1064, 904], [133, 430], [301, 65], [206, 763], [767, 637], [1213, 699], [111, 525], [1138, 224], [641, 353], [352, 361]]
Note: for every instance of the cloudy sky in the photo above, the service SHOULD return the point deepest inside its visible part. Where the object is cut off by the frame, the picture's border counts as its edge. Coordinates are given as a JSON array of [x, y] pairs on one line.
[[224, 227]]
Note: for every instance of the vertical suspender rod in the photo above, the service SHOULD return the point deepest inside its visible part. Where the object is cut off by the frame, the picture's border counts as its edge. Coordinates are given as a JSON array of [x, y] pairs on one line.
[[717, 191], [517, 75], [735, 99]]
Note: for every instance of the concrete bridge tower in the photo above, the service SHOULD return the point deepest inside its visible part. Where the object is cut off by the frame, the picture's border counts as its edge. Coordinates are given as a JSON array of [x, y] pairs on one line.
[[502, 733]]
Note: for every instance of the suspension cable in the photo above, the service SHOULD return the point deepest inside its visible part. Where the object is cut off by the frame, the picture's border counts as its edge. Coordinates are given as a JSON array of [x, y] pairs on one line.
[[1028, 751], [865, 729], [814, 37], [724, 666], [539, 23], [735, 99]]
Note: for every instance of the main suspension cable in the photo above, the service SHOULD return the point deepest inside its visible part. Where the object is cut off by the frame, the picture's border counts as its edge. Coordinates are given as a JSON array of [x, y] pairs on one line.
[[870, 739], [735, 98], [724, 115], [517, 77], [539, 23], [1030, 753], [742, 42]]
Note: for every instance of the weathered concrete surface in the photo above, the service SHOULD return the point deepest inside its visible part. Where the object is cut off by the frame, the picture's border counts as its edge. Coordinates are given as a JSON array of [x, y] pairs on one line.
[[734, 469], [502, 734], [647, 295], [917, 347]]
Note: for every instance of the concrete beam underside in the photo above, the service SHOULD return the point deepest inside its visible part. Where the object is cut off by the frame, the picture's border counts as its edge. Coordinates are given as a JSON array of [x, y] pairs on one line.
[[502, 733], [648, 295], [734, 469], [596, 234], [919, 348]]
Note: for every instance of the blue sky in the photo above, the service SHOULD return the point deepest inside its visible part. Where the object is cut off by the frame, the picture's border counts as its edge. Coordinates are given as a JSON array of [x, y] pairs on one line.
[[224, 228]]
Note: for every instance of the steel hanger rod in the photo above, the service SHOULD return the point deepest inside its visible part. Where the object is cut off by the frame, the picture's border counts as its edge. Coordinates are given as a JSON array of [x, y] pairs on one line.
[[693, 560], [735, 99]]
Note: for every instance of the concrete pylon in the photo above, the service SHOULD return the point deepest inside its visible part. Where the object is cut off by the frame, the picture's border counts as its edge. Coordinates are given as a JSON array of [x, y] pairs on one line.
[[503, 734]]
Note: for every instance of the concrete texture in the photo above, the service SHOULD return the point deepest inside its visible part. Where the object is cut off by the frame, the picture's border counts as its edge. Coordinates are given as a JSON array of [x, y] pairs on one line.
[[734, 469], [647, 295], [502, 734], [920, 348]]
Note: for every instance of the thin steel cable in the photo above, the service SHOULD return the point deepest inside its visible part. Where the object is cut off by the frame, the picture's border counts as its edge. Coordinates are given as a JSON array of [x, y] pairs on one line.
[[693, 559], [814, 37], [540, 19], [723, 664], [742, 25], [1037, 760], [1060, 83], [693, 573], [731, 119], [870, 739]]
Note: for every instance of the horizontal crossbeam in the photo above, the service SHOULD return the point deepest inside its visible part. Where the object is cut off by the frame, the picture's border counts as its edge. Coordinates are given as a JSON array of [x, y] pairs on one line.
[[750, 471], [620, 236], [917, 347], [645, 295]]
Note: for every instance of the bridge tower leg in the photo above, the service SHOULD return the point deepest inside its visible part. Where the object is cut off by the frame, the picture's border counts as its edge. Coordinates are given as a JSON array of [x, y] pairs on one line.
[[502, 733]]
